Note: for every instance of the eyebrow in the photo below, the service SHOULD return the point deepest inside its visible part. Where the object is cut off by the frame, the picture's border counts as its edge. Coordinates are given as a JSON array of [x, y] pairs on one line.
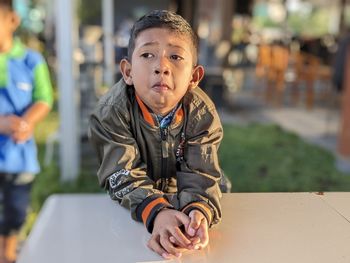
[[155, 43]]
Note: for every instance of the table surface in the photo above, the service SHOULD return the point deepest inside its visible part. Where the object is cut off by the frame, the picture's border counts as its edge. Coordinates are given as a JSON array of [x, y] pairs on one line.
[[256, 227]]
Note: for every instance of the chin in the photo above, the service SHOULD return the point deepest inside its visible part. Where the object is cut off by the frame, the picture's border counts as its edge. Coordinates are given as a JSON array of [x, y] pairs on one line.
[[162, 109]]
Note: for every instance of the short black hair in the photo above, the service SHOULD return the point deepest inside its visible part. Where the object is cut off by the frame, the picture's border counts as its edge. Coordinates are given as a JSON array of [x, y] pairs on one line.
[[6, 4], [162, 19]]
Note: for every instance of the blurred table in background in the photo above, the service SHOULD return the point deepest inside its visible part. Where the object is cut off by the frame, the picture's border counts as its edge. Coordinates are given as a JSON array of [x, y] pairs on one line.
[[279, 69], [256, 227]]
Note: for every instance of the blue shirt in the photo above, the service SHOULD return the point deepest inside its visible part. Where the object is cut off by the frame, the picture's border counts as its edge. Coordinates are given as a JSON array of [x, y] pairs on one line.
[[24, 80]]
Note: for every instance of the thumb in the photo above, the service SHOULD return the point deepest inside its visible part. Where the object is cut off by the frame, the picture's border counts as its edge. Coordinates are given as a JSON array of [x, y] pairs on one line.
[[195, 221]]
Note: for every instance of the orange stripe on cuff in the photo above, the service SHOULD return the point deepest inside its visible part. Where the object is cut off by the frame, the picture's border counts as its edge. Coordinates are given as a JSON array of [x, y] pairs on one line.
[[150, 206], [204, 207], [146, 114]]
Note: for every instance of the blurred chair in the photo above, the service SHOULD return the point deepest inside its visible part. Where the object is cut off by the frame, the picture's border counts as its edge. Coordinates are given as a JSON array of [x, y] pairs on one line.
[[276, 76], [262, 68], [309, 69], [264, 61]]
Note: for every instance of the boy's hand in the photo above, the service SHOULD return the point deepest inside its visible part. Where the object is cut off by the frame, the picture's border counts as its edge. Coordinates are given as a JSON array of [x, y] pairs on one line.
[[23, 132], [167, 224], [198, 228], [17, 127]]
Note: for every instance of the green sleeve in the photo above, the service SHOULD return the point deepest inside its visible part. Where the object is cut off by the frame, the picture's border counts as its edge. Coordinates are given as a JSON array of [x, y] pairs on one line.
[[42, 84], [3, 71]]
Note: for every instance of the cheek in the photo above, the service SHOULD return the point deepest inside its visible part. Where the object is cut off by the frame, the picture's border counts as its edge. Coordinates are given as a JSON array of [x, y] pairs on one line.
[[185, 76], [140, 70], [139, 77]]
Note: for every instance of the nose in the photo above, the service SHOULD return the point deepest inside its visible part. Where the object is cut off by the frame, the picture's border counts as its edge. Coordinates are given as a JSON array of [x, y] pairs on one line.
[[162, 66]]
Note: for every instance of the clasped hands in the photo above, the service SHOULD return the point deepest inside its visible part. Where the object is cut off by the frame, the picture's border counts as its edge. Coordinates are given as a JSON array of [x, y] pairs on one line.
[[174, 232], [17, 127]]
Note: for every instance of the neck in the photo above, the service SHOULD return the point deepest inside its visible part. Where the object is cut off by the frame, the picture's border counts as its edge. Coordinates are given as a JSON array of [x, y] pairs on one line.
[[6, 45]]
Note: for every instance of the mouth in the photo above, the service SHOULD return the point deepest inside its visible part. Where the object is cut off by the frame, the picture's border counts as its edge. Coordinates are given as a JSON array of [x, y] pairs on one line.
[[160, 87]]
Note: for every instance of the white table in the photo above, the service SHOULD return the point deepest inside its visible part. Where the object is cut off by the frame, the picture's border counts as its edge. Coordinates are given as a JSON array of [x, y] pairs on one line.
[[256, 227], [340, 202]]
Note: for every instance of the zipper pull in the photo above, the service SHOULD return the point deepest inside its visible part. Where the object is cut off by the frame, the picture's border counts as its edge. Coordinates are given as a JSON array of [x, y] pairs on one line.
[[165, 143], [165, 149], [164, 133]]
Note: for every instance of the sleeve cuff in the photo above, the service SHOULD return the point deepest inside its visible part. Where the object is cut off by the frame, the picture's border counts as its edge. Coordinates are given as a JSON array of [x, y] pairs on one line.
[[149, 208], [201, 206]]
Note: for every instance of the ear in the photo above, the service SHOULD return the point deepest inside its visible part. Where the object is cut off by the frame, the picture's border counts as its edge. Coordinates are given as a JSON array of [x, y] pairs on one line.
[[15, 21], [125, 69], [197, 75]]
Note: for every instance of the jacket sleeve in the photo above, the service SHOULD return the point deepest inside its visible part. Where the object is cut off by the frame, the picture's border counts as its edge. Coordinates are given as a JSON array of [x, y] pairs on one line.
[[198, 180], [122, 172]]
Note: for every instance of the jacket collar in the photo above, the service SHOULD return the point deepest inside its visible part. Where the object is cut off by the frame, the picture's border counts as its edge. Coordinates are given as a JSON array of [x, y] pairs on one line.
[[149, 118]]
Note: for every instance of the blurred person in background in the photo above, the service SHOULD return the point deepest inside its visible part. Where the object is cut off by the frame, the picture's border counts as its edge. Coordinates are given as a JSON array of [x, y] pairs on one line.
[[25, 99]]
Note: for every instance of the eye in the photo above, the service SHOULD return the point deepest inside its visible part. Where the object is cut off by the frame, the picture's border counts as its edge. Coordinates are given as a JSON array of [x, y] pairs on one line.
[[176, 57], [147, 55]]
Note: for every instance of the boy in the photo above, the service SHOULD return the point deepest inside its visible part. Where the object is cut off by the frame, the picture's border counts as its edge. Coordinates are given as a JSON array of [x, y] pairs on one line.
[[25, 99], [157, 136]]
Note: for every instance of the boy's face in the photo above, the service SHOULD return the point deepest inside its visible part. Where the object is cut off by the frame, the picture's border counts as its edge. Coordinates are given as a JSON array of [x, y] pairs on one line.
[[9, 22], [161, 68]]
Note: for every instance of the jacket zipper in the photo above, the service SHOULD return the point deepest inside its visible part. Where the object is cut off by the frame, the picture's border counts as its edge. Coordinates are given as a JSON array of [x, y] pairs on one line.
[[165, 155]]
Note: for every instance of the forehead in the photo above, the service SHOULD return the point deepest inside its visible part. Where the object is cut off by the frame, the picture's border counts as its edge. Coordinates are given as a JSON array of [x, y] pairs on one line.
[[163, 36]]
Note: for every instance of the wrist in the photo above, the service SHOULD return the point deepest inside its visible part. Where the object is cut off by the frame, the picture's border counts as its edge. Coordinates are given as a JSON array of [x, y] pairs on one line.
[[149, 209], [161, 210]]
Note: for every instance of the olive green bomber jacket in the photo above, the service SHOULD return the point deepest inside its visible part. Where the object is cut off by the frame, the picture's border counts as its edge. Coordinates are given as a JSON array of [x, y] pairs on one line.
[[146, 168]]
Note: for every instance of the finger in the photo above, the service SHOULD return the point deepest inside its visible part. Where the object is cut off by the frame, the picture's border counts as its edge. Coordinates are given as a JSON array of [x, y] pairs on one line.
[[195, 240], [169, 247], [180, 238], [181, 249], [182, 218], [154, 245], [172, 240], [203, 235]]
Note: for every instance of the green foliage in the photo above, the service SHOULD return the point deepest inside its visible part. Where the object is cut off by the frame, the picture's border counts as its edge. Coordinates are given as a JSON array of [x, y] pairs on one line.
[[46, 128], [314, 24], [264, 158], [265, 22]]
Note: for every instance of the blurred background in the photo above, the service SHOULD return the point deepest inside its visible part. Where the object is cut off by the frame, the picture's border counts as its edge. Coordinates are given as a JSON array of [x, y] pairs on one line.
[[269, 65]]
